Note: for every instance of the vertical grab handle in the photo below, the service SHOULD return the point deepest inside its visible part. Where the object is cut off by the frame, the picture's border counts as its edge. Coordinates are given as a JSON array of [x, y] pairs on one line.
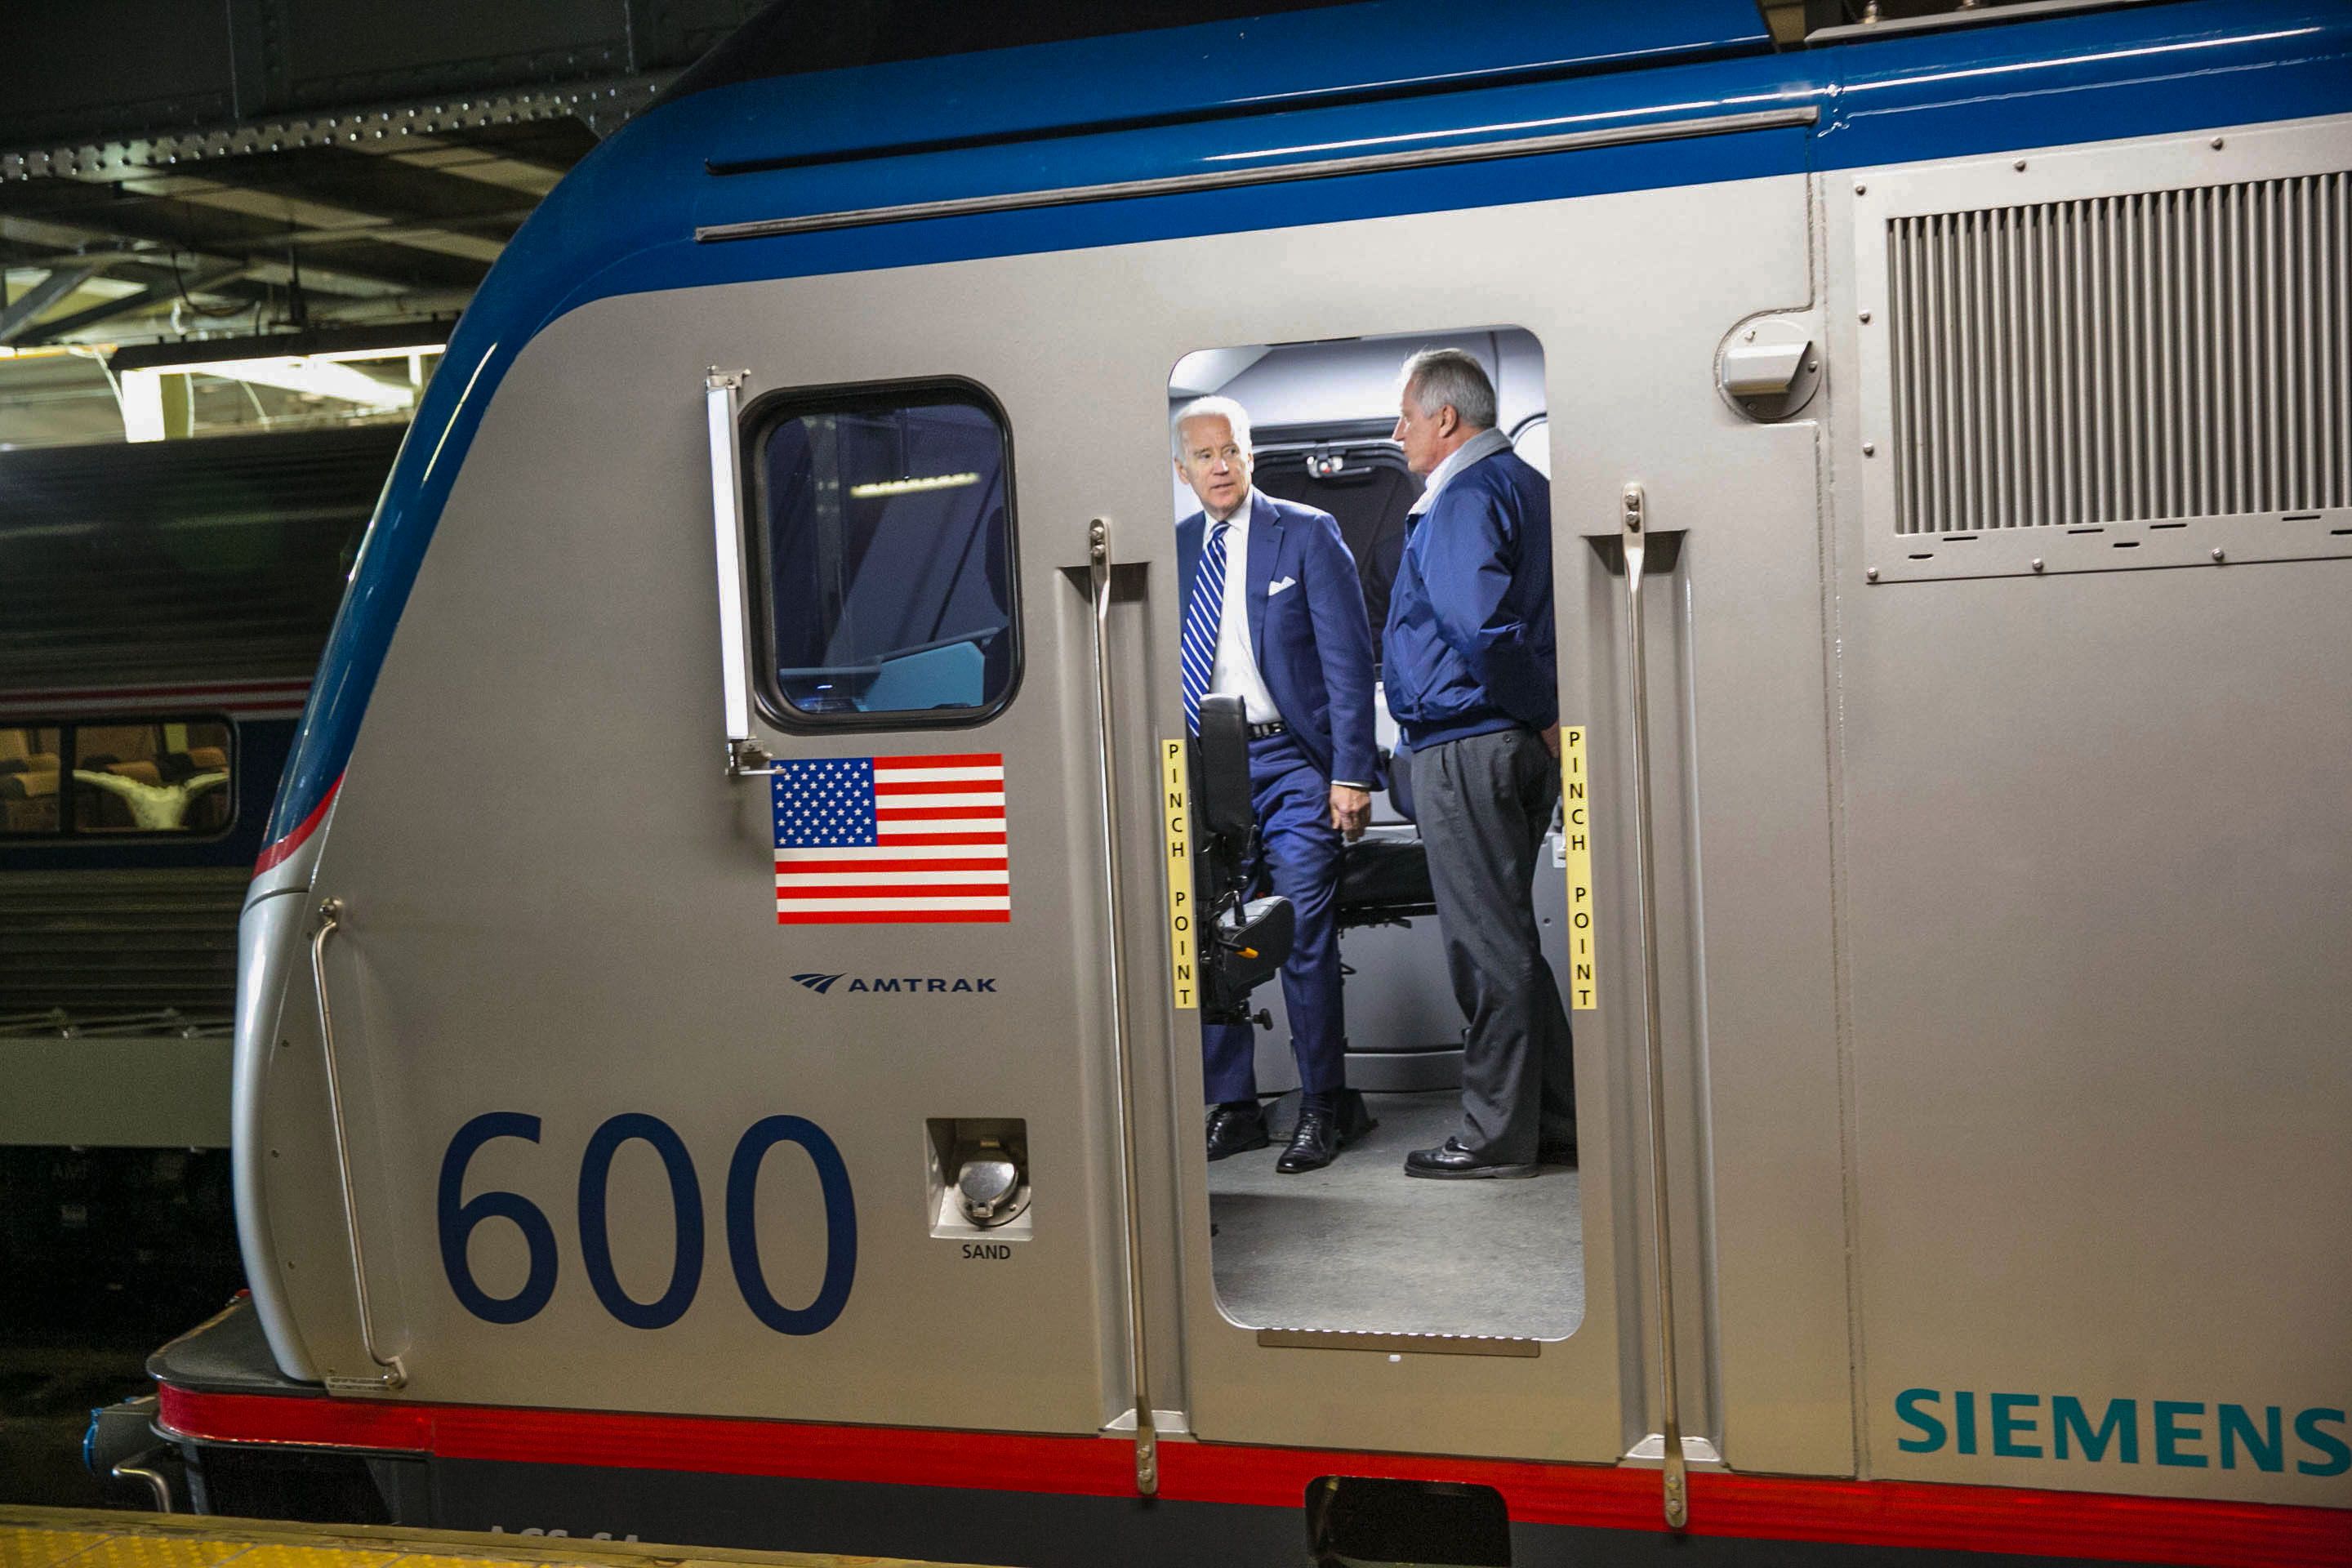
[[721, 389], [1147, 1440], [1633, 536], [394, 1375]]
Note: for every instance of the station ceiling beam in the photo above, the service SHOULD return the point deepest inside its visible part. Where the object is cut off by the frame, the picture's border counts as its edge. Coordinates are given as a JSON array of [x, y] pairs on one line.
[[19, 316], [49, 242], [214, 157], [167, 66], [154, 294]]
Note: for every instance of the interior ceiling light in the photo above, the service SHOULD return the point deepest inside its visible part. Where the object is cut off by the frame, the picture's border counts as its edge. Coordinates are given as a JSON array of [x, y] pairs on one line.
[[911, 487]]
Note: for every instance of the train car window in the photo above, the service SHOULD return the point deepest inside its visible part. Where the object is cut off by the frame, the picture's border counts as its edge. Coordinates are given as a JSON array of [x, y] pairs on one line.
[[166, 777], [887, 539], [28, 779]]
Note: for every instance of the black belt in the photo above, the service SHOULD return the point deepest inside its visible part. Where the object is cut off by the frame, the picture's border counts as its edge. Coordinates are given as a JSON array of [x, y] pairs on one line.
[[1260, 731]]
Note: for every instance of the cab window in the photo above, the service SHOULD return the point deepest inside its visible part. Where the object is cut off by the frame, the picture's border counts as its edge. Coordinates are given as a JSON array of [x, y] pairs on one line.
[[885, 530]]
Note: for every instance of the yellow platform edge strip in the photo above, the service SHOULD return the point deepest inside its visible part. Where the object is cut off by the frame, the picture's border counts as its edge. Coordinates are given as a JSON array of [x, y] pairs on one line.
[[89, 1538]]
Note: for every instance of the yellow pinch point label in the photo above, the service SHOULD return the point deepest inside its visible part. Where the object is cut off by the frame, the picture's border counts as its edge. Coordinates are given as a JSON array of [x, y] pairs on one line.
[[1182, 966], [1576, 822]]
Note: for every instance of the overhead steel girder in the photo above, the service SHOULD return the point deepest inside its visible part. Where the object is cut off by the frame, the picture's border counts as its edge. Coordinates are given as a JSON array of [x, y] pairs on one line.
[[168, 67], [153, 294], [20, 315], [602, 105], [85, 239]]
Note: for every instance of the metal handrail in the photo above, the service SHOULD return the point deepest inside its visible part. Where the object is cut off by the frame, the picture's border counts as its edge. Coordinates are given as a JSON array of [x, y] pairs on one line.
[[721, 394], [1633, 536], [1147, 1440], [137, 1469], [394, 1375]]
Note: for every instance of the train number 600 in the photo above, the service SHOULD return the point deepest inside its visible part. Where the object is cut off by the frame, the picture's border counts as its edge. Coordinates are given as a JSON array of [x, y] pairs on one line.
[[459, 1216]]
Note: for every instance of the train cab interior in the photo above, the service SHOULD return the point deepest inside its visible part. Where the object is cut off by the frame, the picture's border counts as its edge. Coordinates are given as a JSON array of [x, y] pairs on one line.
[[1357, 1245]]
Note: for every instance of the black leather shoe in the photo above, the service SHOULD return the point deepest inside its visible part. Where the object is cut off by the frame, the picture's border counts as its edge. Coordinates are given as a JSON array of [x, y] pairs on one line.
[[1236, 1129], [1323, 1130], [1451, 1161], [1313, 1144]]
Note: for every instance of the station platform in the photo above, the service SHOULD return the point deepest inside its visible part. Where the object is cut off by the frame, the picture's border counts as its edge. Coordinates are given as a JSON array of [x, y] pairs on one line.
[[92, 1537]]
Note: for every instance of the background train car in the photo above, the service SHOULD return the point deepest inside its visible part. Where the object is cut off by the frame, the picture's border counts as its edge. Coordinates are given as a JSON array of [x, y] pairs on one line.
[[1951, 503], [164, 608]]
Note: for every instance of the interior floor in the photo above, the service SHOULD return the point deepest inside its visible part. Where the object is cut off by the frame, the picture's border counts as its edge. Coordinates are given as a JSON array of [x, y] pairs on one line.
[[1360, 1246]]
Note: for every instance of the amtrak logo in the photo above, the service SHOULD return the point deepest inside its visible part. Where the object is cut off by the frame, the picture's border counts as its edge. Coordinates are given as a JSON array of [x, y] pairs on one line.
[[921, 984]]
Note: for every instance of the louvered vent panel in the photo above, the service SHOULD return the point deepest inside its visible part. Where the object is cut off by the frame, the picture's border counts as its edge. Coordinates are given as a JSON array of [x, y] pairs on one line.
[[2168, 354]]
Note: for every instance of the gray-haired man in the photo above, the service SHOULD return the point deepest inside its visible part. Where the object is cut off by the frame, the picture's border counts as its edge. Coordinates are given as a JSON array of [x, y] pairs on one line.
[[1273, 614], [1471, 680]]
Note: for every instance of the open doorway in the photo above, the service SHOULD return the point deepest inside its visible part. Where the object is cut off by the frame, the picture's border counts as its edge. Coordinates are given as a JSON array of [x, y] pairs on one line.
[[1298, 443]]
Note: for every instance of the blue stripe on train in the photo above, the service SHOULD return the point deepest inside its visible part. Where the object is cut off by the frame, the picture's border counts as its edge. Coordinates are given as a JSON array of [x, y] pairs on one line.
[[623, 221]]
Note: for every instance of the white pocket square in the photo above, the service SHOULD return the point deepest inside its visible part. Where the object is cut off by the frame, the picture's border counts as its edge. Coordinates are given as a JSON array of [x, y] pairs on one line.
[[1278, 584]]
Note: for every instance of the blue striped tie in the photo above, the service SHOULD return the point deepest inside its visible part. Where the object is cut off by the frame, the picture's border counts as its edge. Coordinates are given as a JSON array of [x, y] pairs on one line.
[[1201, 621]]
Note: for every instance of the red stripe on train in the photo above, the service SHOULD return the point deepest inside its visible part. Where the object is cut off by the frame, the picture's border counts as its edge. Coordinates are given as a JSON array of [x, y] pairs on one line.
[[2098, 1527], [278, 852]]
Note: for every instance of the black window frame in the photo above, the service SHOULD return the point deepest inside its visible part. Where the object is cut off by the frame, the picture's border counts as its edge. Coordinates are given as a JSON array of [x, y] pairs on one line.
[[759, 421], [69, 786]]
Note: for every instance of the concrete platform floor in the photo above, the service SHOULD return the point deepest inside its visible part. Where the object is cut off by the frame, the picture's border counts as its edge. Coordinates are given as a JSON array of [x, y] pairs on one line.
[[1361, 1246]]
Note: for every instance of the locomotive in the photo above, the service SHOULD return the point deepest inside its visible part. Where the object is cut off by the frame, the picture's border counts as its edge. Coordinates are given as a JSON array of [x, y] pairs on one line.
[[1951, 446]]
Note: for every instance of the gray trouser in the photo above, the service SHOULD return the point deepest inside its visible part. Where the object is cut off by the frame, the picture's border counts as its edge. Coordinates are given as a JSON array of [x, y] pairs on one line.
[[1484, 804]]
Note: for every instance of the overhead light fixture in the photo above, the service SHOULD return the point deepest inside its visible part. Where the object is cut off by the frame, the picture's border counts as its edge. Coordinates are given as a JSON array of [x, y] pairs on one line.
[[912, 486], [391, 341], [302, 373], [318, 363]]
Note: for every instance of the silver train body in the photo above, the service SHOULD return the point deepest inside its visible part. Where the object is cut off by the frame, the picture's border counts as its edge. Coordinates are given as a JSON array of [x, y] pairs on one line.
[[1994, 748]]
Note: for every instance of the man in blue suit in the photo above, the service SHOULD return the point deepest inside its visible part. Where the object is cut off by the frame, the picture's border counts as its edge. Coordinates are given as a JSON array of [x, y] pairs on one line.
[[1471, 679], [1273, 613]]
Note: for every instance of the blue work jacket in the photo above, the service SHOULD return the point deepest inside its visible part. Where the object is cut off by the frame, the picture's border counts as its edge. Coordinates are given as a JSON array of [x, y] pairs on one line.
[[1469, 644]]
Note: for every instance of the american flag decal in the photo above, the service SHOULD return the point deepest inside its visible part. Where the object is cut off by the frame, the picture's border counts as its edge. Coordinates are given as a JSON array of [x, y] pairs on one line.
[[892, 840]]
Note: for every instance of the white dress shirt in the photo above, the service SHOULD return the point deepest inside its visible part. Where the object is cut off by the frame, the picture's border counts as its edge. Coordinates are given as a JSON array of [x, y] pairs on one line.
[[1479, 447], [1235, 672]]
